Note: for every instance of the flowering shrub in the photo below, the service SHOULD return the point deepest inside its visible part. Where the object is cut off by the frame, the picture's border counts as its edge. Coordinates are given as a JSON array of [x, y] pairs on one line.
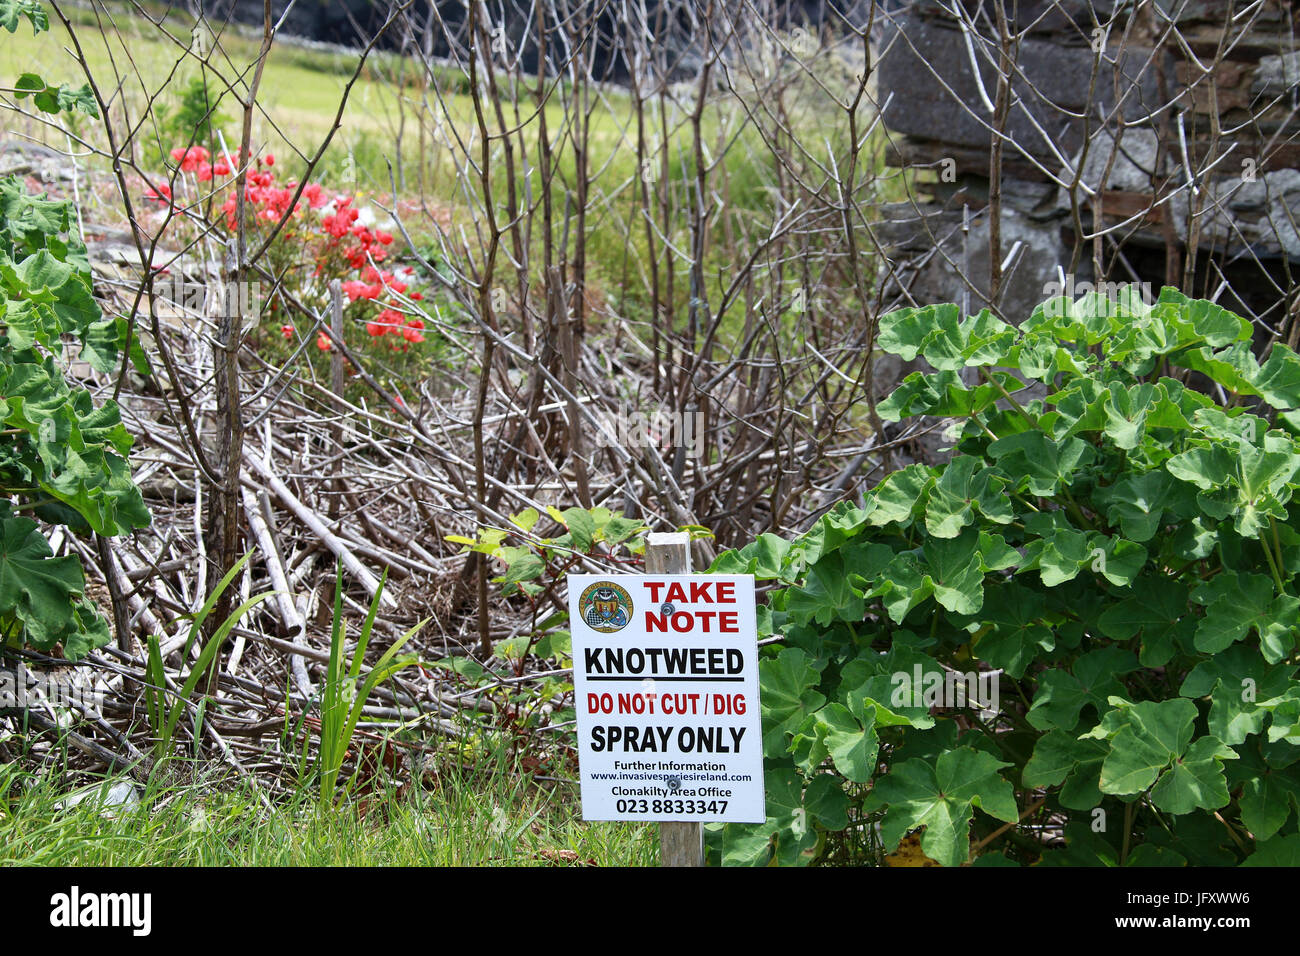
[[325, 237]]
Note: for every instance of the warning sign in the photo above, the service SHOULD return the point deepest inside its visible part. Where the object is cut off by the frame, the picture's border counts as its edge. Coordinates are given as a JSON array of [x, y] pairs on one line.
[[665, 672]]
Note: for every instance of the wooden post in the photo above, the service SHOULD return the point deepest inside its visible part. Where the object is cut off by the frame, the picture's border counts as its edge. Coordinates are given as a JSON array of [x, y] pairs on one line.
[[680, 844]]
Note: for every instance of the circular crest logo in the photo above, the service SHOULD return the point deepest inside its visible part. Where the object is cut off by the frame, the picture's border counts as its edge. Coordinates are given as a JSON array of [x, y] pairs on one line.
[[605, 607]]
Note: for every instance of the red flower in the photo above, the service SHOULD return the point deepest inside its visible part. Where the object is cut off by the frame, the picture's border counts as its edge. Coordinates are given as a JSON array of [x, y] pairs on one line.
[[412, 331], [287, 331], [315, 195], [163, 194], [385, 238], [269, 160], [356, 289], [323, 342], [190, 158]]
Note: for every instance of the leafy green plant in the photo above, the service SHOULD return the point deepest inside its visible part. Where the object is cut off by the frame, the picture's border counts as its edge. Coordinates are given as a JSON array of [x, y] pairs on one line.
[[62, 459], [48, 97], [342, 697], [1109, 572], [164, 717], [535, 567]]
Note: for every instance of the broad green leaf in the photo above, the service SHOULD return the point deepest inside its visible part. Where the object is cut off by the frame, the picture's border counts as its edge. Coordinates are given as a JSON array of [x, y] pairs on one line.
[[11, 11], [1239, 603], [1195, 781], [1278, 381], [789, 684], [1279, 851], [36, 588], [790, 836], [581, 526], [1139, 503], [943, 394], [901, 497], [977, 340], [1015, 631], [1061, 696], [940, 796], [956, 573], [1158, 612], [964, 490], [904, 331], [1042, 464], [835, 732], [1152, 734], [1059, 758], [1269, 794]]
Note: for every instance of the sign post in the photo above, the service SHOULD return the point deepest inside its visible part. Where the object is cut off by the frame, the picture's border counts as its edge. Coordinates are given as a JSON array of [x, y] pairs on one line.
[[680, 844], [666, 686]]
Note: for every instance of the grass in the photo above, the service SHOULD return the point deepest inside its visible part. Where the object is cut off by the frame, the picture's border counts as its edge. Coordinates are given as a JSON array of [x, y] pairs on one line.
[[193, 815]]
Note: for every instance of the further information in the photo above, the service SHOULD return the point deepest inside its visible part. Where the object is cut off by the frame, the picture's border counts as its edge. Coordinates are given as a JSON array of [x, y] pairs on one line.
[[665, 676]]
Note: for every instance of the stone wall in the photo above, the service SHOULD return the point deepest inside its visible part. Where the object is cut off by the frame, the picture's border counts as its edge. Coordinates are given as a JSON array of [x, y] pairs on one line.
[[1099, 111]]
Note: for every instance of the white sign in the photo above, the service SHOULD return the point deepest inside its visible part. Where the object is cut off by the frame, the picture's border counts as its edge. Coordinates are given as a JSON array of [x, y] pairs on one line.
[[665, 672]]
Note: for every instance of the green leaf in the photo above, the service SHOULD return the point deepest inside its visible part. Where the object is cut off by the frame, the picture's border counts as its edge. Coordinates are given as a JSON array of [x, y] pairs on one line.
[[1060, 758], [904, 331], [12, 10], [1015, 631], [901, 496], [790, 836], [525, 519], [1130, 412], [1152, 742], [940, 796], [1239, 603], [1268, 794], [828, 594], [765, 558], [526, 567], [1195, 781], [964, 490], [1279, 851], [1139, 503], [619, 529], [1043, 465], [1278, 381], [35, 587], [789, 684], [941, 393], [1150, 735], [835, 731], [1061, 696], [956, 572], [977, 340], [1157, 612], [581, 526]]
